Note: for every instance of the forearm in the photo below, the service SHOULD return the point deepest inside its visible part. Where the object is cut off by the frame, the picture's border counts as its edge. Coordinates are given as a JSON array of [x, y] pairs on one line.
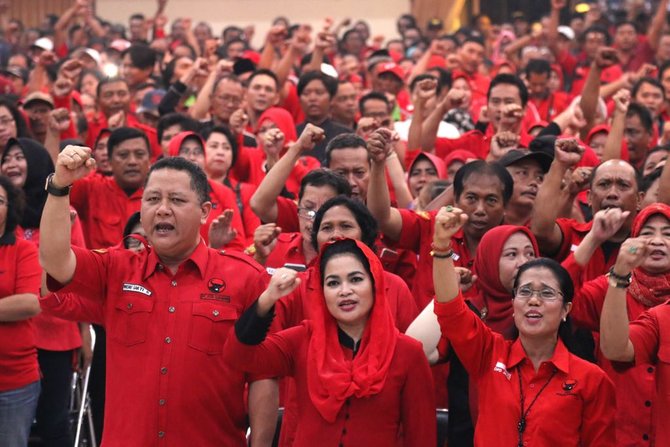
[[200, 109], [445, 279], [267, 57], [379, 201], [586, 249], [614, 333], [590, 93], [656, 28], [608, 90], [397, 174], [426, 329], [664, 185], [416, 127], [38, 79], [420, 66], [445, 198], [429, 129], [95, 27], [614, 140], [546, 212], [315, 62], [56, 255], [52, 144], [263, 405], [18, 307], [264, 201], [284, 67]]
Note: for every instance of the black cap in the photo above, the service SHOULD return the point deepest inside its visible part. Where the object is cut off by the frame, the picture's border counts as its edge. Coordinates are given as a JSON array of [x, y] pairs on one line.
[[543, 144], [243, 65], [515, 155]]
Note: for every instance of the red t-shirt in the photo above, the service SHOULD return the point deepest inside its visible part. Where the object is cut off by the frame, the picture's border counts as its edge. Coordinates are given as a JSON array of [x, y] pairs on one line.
[[99, 122]]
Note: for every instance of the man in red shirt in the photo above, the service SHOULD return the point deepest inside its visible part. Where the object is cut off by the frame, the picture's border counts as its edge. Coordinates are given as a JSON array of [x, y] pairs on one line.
[[167, 310], [635, 50], [471, 56], [548, 103]]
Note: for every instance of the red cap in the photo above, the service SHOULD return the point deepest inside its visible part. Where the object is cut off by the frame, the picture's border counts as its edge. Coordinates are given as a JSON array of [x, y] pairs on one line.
[[391, 67]]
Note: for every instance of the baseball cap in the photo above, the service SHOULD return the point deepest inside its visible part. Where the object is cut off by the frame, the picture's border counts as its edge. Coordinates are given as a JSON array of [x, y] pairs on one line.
[[16, 72], [35, 97], [391, 67], [93, 54], [44, 43], [515, 155], [150, 102], [119, 45], [567, 32]]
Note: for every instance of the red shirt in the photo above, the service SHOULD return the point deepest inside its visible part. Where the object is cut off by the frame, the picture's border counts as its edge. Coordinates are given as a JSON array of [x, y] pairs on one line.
[[99, 122], [223, 198], [651, 340], [287, 215], [551, 106], [405, 404], [165, 337], [642, 54], [287, 251], [473, 141], [104, 209], [635, 385], [20, 272], [576, 407], [250, 221]]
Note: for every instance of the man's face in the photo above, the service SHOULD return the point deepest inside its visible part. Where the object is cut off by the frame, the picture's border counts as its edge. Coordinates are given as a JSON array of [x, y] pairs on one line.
[[651, 97], [130, 163], [538, 85], [101, 155], [501, 95], [312, 199], [343, 106], [38, 113], [172, 214], [653, 160], [528, 176], [262, 93], [471, 55], [625, 37], [235, 50], [315, 101], [167, 136], [637, 138], [389, 83], [482, 201], [663, 51], [375, 108], [353, 164], [226, 99], [136, 29], [614, 186], [133, 75], [114, 97], [592, 42]]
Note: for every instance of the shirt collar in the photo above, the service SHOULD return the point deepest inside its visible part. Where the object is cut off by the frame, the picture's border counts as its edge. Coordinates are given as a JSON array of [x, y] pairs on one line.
[[560, 359], [9, 238], [199, 258]]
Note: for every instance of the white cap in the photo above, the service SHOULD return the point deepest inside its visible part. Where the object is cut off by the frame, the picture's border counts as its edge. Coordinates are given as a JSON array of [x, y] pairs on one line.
[[566, 31], [95, 55], [44, 43]]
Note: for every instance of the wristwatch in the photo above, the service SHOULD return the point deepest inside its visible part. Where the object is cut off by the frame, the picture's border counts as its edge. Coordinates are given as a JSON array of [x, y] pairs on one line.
[[58, 191], [619, 281]]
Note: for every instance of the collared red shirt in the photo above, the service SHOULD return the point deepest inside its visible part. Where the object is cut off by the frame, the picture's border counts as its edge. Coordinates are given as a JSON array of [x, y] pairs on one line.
[[167, 383], [288, 250], [99, 122], [576, 407]]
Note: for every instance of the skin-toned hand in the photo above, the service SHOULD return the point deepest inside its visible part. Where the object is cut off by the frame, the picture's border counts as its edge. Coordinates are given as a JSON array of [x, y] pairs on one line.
[[273, 142], [643, 71], [632, 254], [283, 282], [622, 100], [160, 21], [483, 115], [447, 223], [301, 40], [558, 4], [438, 48], [220, 231], [161, 5], [454, 99], [187, 23], [325, 40], [62, 87], [70, 69], [249, 32], [426, 89], [380, 144], [606, 223], [310, 136], [512, 114], [605, 57], [567, 151], [224, 67], [378, 40], [367, 125], [238, 121], [579, 179], [59, 120], [265, 239], [577, 120], [199, 69], [73, 163], [117, 120], [501, 143], [467, 278], [276, 35]]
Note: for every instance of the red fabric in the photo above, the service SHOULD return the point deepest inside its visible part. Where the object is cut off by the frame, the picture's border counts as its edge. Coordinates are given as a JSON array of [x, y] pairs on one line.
[[609, 74], [642, 54], [20, 272], [473, 141], [458, 155], [282, 119], [479, 84], [551, 106], [66, 102], [165, 336], [492, 294], [287, 250], [582, 414], [287, 215], [291, 102], [249, 219], [99, 122], [438, 163]]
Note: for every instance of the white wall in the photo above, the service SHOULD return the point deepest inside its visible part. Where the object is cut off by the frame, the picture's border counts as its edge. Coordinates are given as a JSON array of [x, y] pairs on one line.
[[380, 14]]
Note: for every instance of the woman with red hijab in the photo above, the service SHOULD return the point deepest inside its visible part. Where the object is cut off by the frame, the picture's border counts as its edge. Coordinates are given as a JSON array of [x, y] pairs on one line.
[[424, 169], [647, 287], [275, 132], [359, 381]]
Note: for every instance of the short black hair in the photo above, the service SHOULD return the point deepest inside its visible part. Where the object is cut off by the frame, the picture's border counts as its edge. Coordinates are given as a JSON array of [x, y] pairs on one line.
[[371, 97], [474, 39], [649, 179], [343, 141], [137, 16], [199, 182], [141, 56], [168, 72], [15, 204], [481, 167], [510, 79], [325, 177], [105, 81], [22, 129], [229, 135], [131, 223], [661, 148], [364, 219], [599, 30], [621, 23], [329, 82], [266, 72], [169, 120], [636, 109], [122, 134], [538, 66], [646, 80]]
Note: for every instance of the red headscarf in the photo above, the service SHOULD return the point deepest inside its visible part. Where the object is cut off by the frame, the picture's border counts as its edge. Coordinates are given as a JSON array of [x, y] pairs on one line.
[[492, 294], [331, 377], [283, 120], [596, 130], [440, 167], [177, 140], [461, 155], [650, 290]]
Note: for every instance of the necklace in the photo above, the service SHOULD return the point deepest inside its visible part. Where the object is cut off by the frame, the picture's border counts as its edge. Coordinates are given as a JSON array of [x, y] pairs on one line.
[[521, 425]]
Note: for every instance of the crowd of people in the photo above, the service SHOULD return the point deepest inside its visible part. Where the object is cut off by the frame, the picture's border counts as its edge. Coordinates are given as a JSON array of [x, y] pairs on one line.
[[357, 229]]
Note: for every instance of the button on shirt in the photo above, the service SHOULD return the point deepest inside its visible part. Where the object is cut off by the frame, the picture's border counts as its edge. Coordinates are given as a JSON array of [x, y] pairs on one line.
[[168, 384]]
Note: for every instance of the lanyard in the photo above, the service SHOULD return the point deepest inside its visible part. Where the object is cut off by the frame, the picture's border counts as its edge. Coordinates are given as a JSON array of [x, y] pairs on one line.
[[521, 426]]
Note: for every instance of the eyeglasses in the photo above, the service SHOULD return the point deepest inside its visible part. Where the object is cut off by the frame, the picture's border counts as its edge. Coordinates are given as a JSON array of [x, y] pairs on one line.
[[546, 294], [6, 122], [306, 213]]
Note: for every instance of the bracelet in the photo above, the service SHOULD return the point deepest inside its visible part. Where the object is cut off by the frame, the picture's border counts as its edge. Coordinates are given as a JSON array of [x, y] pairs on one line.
[[442, 255], [434, 247], [619, 281]]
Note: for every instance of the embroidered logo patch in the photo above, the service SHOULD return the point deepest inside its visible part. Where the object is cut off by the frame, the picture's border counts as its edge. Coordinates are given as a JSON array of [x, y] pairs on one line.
[[128, 287], [502, 368], [569, 385], [216, 285]]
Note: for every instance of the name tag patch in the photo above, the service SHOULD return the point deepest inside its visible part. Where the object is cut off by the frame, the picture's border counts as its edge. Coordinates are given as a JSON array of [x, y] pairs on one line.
[[128, 287]]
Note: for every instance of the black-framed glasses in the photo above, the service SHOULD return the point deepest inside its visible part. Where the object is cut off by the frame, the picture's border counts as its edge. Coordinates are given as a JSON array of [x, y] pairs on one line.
[[544, 294]]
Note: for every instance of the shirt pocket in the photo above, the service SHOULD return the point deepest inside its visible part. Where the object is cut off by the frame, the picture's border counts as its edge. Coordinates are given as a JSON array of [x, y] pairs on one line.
[[131, 319], [663, 367], [210, 325]]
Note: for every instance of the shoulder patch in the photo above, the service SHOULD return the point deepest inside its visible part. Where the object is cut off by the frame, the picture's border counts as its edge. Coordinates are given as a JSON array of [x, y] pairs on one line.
[[242, 257]]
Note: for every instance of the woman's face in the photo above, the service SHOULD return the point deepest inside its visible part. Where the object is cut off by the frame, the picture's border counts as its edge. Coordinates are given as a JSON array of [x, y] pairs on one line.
[[338, 222], [347, 289], [536, 317], [657, 231], [423, 171], [192, 150], [7, 126], [518, 250], [598, 143], [453, 167], [89, 85], [4, 206], [101, 155], [219, 154], [15, 166]]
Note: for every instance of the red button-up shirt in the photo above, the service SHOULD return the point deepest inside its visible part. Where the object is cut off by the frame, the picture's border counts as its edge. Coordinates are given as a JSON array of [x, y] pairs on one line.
[[650, 335], [167, 383], [287, 251], [104, 209], [576, 407]]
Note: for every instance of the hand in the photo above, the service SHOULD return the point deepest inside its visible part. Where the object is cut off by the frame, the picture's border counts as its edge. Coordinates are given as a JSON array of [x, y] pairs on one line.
[[644, 71], [447, 223], [86, 350], [62, 87], [579, 179], [467, 278], [223, 67], [199, 69], [117, 120], [283, 282], [276, 35], [606, 223], [161, 5], [301, 40], [455, 98], [622, 100], [70, 70], [273, 142], [220, 231], [512, 114], [367, 125], [310, 135], [380, 144], [567, 151], [438, 48], [483, 115], [59, 120], [426, 89], [632, 254], [558, 4], [238, 121], [605, 57], [249, 32], [73, 163], [501, 143], [325, 40], [265, 239], [577, 120], [46, 59], [187, 23], [378, 40]]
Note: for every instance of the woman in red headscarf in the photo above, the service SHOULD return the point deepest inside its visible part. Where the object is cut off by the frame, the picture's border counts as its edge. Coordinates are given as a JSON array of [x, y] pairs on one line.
[[646, 287], [359, 381], [424, 169], [275, 132]]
